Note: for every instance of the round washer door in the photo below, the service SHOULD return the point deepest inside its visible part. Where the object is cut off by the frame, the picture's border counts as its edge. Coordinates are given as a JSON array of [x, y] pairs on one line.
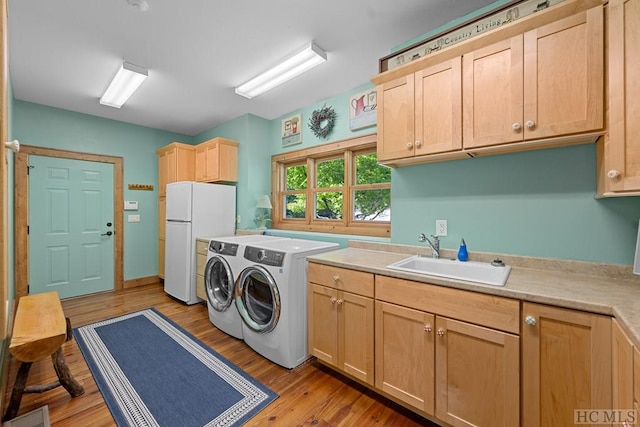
[[258, 299], [218, 283]]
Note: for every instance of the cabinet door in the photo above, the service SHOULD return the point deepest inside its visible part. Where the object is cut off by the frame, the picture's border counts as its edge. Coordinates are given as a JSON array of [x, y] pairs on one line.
[[396, 109], [355, 336], [404, 356], [172, 165], [161, 258], [493, 94], [622, 362], [477, 375], [622, 152], [564, 76], [213, 162], [438, 108], [162, 216], [566, 364], [201, 164], [323, 323], [162, 174], [185, 165]]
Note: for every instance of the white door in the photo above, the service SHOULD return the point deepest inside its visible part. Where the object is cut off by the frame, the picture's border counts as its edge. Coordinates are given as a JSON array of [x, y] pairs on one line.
[[71, 243]]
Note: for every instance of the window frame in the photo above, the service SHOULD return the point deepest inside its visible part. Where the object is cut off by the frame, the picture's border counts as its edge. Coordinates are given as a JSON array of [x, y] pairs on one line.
[[346, 149]]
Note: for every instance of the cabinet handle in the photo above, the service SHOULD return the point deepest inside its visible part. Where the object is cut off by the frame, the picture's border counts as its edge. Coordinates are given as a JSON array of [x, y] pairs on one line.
[[418, 144], [427, 328], [440, 332], [409, 145], [516, 126], [339, 302], [530, 124], [333, 300], [336, 278], [530, 320], [613, 174]]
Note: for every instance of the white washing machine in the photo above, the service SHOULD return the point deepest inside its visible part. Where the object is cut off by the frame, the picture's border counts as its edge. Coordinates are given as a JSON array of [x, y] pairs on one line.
[[224, 263], [271, 297]]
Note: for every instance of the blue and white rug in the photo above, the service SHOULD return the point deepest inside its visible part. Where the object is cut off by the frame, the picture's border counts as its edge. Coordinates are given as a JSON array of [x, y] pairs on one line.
[[151, 372]]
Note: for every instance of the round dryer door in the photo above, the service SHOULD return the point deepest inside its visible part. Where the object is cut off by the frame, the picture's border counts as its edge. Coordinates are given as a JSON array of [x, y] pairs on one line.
[[218, 283], [258, 299]]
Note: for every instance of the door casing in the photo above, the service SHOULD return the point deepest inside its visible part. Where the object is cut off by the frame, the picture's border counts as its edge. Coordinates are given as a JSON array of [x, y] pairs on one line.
[[22, 210]]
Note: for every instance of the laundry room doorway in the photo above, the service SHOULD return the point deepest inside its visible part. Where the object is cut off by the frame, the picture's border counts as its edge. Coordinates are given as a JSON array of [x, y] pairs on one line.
[[68, 225]]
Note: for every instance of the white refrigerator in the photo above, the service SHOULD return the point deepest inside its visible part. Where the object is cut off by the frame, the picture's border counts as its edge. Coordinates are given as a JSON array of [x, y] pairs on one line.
[[193, 210]]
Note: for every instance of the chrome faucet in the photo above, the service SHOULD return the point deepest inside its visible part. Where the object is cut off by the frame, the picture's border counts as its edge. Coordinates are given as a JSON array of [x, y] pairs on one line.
[[435, 245]]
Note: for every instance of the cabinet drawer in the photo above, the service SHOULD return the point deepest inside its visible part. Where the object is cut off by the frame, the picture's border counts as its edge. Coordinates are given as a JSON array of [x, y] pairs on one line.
[[202, 247], [357, 282], [486, 310], [200, 291], [201, 261]]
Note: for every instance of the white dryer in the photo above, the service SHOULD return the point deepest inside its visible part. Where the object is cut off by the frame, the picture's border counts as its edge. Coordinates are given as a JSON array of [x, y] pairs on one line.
[[271, 297], [224, 263]]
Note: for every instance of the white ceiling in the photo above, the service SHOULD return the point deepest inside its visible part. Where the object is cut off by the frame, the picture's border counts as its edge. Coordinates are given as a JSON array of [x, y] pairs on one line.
[[63, 53]]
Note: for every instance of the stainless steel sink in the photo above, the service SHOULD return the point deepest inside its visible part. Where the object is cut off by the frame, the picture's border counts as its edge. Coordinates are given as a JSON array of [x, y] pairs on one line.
[[472, 271]]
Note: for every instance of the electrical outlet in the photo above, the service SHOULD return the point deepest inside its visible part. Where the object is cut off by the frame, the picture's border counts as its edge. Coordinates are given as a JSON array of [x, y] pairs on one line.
[[133, 218], [441, 227], [237, 219]]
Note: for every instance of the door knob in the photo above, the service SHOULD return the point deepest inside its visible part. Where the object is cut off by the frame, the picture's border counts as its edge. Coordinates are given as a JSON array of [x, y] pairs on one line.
[[108, 233]]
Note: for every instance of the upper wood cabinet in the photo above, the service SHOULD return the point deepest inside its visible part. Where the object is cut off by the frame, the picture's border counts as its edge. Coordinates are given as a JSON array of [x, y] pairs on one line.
[[421, 113], [566, 364], [175, 163], [506, 91], [545, 83], [216, 160], [619, 153]]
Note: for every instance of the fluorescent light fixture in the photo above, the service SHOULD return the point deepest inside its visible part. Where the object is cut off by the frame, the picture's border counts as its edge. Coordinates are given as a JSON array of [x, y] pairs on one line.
[[128, 78], [301, 61]]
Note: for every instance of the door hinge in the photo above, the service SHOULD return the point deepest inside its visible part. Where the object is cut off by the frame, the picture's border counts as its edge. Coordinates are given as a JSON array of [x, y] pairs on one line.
[[27, 229], [29, 167]]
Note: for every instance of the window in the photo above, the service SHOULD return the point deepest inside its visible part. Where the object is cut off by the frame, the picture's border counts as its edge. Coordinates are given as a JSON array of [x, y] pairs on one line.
[[334, 188]]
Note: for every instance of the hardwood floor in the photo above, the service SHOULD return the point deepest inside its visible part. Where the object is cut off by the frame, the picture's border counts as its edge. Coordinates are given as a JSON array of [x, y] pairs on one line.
[[310, 394]]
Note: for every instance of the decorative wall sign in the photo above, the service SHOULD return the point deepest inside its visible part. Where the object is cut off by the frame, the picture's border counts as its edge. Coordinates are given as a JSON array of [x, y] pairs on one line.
[[362, 109], [505, 14], [322, 121], [145, 187], [292, 130]]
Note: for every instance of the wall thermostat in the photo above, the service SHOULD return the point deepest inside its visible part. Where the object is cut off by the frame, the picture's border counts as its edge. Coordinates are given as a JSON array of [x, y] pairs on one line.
[[130, 205]]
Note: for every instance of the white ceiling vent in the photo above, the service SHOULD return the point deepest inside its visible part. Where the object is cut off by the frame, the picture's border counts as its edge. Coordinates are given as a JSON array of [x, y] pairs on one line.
[[141, 5]]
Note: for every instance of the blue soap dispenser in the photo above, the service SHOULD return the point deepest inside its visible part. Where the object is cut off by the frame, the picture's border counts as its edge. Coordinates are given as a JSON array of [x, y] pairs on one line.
[[463, 255]]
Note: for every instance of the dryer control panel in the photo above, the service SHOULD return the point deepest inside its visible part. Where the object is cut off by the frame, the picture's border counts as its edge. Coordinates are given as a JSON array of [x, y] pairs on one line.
[[264, 256]]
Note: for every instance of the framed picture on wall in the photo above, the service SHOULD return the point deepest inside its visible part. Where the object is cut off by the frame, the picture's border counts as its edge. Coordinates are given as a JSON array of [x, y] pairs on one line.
[[292, 130], [362, 109]]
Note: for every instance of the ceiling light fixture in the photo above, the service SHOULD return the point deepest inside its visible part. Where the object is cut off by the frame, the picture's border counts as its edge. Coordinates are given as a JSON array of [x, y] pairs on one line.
[[296, 64], [127, 80]]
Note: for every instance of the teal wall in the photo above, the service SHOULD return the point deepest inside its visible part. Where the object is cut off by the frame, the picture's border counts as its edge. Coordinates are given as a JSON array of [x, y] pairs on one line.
[[43, 126], [254, 165], [539, 203]]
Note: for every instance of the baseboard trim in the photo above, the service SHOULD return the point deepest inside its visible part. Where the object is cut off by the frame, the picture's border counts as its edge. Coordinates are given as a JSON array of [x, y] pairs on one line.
[[140, 281]]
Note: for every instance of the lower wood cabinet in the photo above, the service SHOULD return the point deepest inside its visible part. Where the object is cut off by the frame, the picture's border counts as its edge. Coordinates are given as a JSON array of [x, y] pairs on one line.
[[466, 358], [566, 364], [340, 319], [202, 247], [477, 375], [405, 355]]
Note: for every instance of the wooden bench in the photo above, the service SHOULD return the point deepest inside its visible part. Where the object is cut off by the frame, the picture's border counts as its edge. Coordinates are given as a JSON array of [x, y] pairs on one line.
[[39, 330]]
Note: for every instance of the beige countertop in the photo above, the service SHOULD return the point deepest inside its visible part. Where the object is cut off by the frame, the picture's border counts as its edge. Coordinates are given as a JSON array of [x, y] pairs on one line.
[[597, 288]]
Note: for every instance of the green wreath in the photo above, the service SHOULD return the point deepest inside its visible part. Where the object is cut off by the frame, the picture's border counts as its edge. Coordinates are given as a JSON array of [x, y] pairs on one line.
[[327, 114]]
